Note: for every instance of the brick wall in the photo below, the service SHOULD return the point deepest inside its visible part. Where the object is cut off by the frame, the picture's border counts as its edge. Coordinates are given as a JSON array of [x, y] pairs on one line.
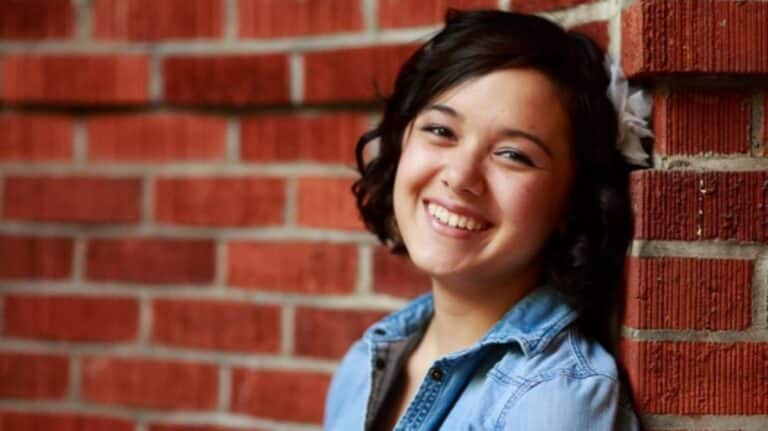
[[179, 250]]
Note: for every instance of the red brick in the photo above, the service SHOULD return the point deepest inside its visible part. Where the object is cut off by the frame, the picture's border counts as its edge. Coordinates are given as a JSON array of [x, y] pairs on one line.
[[72, 199], [227, 80], [150, 260], [75, 318], [685, 378], [765, 125], [404, 13], [35, 257], [683, 293], [396, 275], [356, 74], [76, 79], [277, 18], [36, 19], [313, 326], [597, 31], [678, 205], [156, 138], [293, 267], [35, 138], [155, 20], [694, 36], [35, 376], [273, 394], [328, 202], [33, 421], [532, 6], [216, 325], [150, 383], [220, 201], [174, 427], [317, 138], [702, 121]]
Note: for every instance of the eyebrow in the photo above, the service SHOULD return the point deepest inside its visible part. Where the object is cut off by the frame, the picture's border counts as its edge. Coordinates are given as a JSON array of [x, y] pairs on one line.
[[508, 132]]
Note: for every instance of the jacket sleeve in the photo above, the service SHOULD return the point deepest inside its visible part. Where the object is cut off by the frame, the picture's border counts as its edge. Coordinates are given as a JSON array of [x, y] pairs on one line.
[[568, 403]]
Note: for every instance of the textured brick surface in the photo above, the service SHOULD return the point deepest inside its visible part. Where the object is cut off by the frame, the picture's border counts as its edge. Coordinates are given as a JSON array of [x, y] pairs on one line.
[[597, 31], [532, 6], [697, 121], [356, 74], [313, 326], [35, 257], [328, 202], [226, 80], [150, 260], [314, 268], [679, 205], [404, 13], [27, 375], [72, 199], [396, 275], [76, 79], [153, 20], [220, 201], [224, 325], [156, 138], [694, 36], [273, 394], [36, 19], [174, 427], [35, 138], [681, 293], [276, 18], [150, 383], [698, 378], [315, 138], [31, 421], [75, 318]]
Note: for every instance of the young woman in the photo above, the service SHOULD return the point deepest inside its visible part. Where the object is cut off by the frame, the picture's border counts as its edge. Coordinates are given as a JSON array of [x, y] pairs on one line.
[[498, 174]]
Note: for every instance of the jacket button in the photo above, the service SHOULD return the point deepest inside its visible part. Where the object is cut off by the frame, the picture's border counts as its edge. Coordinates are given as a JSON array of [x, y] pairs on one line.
[[379, 331], [436, 374]]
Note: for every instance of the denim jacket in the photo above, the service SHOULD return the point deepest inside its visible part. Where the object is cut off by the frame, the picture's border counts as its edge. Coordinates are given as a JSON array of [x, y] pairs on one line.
[[532, 371]]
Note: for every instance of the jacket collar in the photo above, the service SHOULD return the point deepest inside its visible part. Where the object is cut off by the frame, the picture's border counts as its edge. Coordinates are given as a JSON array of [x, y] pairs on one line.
[[532, 322]]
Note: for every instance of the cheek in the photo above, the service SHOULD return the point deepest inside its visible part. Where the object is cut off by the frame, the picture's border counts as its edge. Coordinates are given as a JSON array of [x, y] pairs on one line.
[[529, 200], [414, 169]]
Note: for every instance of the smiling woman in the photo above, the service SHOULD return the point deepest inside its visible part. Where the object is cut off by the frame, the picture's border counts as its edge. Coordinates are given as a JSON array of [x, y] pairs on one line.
[[498, 175]]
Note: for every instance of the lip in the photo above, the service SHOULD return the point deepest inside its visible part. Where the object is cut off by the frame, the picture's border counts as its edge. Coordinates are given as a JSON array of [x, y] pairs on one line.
[[460, 210]]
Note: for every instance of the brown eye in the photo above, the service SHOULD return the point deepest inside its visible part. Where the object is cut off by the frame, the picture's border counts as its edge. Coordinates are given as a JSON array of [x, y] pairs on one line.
[[440, 131], [515, 156]]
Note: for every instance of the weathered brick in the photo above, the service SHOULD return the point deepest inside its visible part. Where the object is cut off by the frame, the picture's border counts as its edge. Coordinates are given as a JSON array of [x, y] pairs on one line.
[[216, 325], [397, 276], [694, 36], [227, 79], [31, 257], [150, 260], [75, 199], [76, 79], [315, 138], [356, 74], [36, 19], [313, 326], [155, 20], [33, 138], [532, 6], [687, 205], [313, 268], [279, 18], [35, 421], [328, 202], [597, 31], [685, 293], [272, 394], [220, 201], [156, 138], [686, 378], [150, 383], [702, 121], [34, 376], [74, 318], [175, 427], [404, 13]]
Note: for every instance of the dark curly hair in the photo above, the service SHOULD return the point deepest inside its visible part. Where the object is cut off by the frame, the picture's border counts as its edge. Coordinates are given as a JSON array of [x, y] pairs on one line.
[[586, 261]]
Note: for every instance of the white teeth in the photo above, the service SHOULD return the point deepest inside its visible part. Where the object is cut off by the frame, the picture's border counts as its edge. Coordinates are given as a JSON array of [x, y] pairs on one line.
[[452, 219]]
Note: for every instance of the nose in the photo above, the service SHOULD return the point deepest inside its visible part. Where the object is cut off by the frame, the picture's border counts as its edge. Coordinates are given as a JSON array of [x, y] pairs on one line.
[[463, 174]]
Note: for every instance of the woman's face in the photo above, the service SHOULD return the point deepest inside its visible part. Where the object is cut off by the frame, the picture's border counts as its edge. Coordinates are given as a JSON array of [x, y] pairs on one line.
[[483, 178]]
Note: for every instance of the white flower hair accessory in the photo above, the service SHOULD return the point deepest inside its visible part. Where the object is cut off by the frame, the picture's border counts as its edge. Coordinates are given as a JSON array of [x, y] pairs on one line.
[[633, 111]]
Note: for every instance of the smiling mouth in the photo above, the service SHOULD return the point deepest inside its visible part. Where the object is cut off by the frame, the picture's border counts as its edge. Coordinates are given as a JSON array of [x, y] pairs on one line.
[[456, 221]]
